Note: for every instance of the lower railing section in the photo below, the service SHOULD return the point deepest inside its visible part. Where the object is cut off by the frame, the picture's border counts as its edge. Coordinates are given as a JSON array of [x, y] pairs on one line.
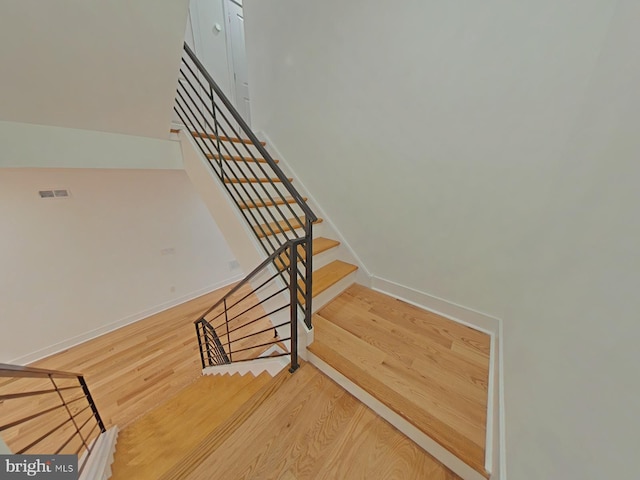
[[47, 412], [258, 318]]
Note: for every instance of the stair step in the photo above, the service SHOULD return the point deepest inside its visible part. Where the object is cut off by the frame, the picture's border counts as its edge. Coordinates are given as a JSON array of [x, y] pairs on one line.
[[327, 276], [158, 441], [319, 245], [429, 370], [197, 454], [225, 139], [238, 158], [265, 202], [265, 230], [255, 180]]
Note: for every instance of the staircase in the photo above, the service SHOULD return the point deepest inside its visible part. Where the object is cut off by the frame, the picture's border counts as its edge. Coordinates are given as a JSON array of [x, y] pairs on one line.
[[265, 314], [300, 426], [425, 374]]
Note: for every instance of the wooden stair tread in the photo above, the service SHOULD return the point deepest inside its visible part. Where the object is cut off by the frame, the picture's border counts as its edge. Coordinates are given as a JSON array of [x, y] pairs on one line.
[[238, 158], [436, 379], [327, 276], [312, 428], [264, 230], [157, 441], [255, 180], [225, 139], [320, 244], [265, 202], [217, 437]]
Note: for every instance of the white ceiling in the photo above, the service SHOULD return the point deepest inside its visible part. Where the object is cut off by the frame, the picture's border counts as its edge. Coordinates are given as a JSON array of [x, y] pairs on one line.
[[105, 65]]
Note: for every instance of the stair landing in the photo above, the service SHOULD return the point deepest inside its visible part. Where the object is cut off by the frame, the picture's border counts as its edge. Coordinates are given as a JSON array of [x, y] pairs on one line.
[[159, 440], [309, 429], [431, 371]]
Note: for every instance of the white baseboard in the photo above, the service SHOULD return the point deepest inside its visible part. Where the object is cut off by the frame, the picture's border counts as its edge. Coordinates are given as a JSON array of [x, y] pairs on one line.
[[78, 339], [495, 458], [464, 315]]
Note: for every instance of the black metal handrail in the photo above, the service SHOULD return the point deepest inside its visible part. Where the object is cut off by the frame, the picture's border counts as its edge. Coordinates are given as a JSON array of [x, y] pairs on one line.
[[267, 200], [249, 133], [53, 408], [234, 320]]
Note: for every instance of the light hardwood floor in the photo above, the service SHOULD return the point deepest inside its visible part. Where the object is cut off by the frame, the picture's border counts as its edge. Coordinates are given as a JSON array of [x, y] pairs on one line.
[[129, 371], [428, 369], [156, 442], [311, 428]]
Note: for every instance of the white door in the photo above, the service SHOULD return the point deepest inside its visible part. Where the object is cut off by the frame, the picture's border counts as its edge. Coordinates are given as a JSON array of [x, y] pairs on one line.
[[238, 58]]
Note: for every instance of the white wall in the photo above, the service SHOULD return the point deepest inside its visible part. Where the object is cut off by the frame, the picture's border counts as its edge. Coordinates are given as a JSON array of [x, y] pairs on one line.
[[73, 268], [26, 145], [484, 153], [105, 65]]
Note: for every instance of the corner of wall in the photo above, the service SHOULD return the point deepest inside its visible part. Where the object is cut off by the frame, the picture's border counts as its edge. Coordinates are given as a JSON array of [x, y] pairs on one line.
[[495, 454]]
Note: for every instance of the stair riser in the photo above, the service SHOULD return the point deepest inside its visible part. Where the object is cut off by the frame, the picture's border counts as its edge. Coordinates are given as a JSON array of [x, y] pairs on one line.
[[333, 291]]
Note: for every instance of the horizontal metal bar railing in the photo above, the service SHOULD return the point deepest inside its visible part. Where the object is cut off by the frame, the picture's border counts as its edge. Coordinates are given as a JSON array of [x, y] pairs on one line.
[[249, 133], [230, 340], [29, 392], [274, 210]]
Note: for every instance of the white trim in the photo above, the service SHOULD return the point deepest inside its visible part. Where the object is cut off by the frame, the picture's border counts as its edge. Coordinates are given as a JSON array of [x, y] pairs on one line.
[[489, 432], [4, 449], [464, 315], [495, 447], [321, 213], [502, 440], [271, 365], [91, 334], [103, 448], [425, 442]]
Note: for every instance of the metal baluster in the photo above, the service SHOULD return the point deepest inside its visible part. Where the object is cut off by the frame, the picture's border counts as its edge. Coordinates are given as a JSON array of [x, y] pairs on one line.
[[293, 304]]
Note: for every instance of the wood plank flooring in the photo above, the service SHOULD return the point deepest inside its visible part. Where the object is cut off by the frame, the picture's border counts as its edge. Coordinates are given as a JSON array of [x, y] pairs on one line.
[[129, 371], [430, 370], [313, 429], [159, 440]]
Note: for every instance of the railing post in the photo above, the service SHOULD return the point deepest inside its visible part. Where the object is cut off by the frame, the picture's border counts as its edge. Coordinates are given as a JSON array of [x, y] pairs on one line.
[[293, 303], [94, 409], [308, 293], [66, 407], [199, 325], [226, 322], [215, 128]]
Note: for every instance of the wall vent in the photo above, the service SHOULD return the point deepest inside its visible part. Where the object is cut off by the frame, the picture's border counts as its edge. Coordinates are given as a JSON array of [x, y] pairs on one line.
[[61, 193]]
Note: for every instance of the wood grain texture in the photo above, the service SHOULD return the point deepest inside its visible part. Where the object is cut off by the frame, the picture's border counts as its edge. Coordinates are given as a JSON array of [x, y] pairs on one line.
[[212, 442], [265, 202], [238, 158], [224, 139], [313, 429], [319, 245], [159, 440], [325, 277], [428, 369], [272, 228], [129, 371], [255, 180]]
